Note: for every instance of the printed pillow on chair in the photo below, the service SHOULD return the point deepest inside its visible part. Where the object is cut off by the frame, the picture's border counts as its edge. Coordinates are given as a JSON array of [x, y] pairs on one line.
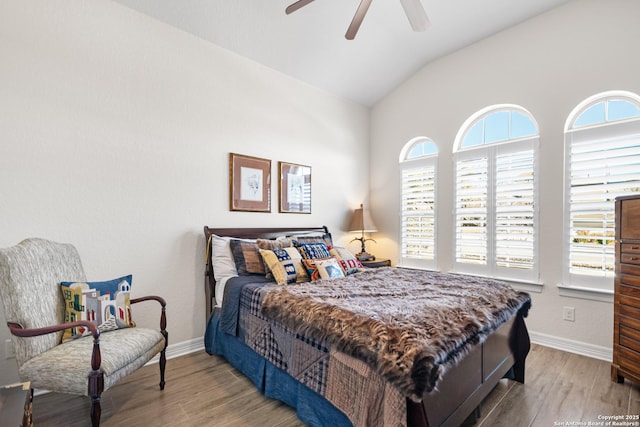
[[106, 304]]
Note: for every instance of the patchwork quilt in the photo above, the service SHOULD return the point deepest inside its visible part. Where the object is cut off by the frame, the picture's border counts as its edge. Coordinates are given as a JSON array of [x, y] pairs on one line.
[[371, 340]]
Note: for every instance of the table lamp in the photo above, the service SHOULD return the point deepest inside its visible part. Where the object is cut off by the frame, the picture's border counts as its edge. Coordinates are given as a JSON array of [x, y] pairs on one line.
[[361, 222]]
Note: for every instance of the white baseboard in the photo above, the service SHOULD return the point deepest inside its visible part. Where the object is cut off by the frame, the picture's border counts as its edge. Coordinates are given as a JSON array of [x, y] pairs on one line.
[[571, 346], [180, 349]]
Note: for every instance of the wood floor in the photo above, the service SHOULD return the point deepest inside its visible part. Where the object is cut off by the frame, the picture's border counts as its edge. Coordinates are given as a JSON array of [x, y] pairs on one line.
[[205, 390]]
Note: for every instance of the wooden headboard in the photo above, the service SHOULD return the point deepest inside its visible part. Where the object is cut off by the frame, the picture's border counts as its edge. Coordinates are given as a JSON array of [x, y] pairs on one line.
[[243, 233]]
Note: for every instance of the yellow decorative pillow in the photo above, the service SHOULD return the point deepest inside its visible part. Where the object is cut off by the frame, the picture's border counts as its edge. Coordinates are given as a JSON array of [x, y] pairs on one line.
[[285, 265], [271, 244]]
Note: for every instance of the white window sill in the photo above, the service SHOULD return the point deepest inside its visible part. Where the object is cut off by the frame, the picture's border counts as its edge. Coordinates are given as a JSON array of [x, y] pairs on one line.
[[525, 286], [585, 293], [519, 284]]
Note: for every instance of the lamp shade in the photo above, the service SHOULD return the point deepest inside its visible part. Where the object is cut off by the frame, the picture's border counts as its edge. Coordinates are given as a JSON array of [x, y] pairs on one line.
[[361, 221]]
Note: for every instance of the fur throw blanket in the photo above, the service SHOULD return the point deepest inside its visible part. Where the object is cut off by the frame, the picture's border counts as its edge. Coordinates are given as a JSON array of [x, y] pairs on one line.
[[408, 325]]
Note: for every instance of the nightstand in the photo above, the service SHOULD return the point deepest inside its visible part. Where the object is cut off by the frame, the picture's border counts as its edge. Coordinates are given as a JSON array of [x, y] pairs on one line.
[[377, 263]]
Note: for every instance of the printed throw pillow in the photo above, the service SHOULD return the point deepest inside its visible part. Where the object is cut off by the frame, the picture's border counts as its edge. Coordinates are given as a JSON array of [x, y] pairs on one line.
[[313, 250], [270, 244], [329, 268], [297, 259], [281, 265], [314, 238], [313, 267], [106, 304], [347, 260], [247, 258]]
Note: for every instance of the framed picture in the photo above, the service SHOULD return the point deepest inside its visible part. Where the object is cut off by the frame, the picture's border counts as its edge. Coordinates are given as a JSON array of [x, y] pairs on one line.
[[294, 186], [250, 183]]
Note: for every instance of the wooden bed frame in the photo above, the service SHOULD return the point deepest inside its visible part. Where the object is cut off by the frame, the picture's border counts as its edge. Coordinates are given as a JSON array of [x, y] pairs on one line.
[[463, 388]]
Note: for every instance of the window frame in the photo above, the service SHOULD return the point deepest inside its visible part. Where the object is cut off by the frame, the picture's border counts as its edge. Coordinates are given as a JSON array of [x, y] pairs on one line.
[[491, 151], [428, 161], [607, 130]]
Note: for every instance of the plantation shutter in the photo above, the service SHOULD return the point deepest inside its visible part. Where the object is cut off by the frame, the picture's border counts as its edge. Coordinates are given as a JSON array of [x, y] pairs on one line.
[[604, 163], [472, 196], [418, 215], [514, 194], [495, 211]]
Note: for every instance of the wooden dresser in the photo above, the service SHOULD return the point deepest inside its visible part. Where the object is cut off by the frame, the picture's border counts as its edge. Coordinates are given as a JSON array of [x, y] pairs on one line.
[[626, 307]]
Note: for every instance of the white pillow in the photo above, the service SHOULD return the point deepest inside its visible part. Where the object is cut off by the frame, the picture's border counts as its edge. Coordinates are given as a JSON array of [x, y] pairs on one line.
[[329, 268], [222, 257], [219, 290]]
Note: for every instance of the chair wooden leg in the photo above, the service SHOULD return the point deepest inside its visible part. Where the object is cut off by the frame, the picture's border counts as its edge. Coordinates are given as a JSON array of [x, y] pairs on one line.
[[96, 411], [163, 358], [96, 386], [96, 382], [163, 363]]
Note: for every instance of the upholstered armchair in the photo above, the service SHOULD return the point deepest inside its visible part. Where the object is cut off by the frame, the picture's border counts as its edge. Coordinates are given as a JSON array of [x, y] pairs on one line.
[[30, 277]]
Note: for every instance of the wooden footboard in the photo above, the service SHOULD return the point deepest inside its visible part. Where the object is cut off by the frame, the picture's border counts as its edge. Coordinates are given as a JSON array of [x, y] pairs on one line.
[[464, 387]]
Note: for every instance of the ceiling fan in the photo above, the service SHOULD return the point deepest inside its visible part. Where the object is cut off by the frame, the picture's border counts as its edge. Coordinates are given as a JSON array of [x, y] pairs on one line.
[[413, 8]]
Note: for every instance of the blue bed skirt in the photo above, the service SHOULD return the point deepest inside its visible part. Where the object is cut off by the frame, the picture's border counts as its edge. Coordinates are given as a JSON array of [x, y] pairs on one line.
[[311, 408]]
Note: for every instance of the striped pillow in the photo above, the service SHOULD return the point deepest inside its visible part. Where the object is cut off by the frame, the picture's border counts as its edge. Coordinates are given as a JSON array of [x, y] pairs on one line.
[[247, 258]]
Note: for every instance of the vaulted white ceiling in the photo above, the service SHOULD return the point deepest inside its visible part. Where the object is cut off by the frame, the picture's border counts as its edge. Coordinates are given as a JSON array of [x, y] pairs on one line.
[[309, 45]]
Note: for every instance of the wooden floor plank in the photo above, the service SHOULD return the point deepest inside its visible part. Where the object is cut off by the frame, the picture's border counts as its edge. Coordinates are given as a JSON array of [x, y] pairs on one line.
[[204, 390], [524, 402]]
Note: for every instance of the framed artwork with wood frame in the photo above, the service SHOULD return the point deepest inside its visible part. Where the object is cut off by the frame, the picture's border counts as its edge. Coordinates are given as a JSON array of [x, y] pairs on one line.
[[294, 186], [249, 183]]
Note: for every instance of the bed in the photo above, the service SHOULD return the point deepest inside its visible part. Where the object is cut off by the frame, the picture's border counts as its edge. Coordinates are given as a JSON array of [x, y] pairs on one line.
[[292, 342]]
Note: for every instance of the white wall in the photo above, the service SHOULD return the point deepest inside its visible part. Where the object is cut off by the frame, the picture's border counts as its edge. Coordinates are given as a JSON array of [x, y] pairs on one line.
[[115, 132], [548, 65]]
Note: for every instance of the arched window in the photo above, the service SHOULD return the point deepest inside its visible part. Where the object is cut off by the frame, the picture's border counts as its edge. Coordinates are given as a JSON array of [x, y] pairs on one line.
[[602, 162], [496, 215], [418, 160]]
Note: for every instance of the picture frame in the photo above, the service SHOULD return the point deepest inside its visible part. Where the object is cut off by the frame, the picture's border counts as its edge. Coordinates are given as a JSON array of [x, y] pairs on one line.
[[249, 183], [294, 188]]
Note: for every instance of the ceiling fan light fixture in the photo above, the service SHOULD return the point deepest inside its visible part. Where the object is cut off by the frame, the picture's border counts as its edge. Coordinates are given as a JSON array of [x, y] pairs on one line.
[[412, 8]]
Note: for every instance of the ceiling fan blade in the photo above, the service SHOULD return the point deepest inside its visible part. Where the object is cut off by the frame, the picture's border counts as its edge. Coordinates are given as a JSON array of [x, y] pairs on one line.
[[416, 14], [297, 5], [357, 19]]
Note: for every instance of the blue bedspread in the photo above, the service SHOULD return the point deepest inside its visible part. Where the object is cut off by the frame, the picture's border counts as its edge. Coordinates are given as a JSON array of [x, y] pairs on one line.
[[221, 338], [232, 292]]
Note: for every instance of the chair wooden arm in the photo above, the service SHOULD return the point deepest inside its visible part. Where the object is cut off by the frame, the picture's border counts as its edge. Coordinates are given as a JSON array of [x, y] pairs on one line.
[[149, 298], [20, 331], [163, 331], [95, 376], [163, 315]]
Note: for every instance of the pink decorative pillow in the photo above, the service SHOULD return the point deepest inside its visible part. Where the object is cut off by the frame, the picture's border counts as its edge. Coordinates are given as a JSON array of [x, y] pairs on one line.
[[348, 261]]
